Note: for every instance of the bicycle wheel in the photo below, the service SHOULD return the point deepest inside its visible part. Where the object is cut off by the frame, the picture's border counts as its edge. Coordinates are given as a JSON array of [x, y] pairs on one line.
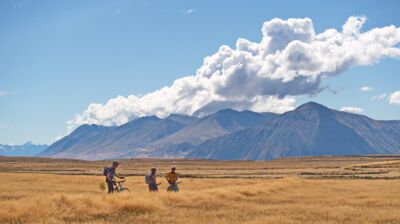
[[125, 189]]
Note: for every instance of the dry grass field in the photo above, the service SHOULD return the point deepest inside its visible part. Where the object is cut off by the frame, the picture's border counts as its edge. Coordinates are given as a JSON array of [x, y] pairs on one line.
[[295, 190]]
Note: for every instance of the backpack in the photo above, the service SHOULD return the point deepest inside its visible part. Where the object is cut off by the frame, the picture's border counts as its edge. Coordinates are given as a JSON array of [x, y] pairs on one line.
[[105, 171], [148, 179]]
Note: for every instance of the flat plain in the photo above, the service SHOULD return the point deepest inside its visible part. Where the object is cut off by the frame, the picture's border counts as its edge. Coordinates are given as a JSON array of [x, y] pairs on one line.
[[327, 189]]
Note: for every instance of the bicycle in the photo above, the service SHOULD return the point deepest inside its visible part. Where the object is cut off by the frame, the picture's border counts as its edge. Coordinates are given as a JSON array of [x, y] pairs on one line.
[[119, 188], [173, 187]]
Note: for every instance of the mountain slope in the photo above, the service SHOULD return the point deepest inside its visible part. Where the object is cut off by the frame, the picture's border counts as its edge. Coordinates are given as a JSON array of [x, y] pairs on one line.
[[214, 125], [82, 138], [182, 142], [151, 136], [183, 119], [310, 130], [100, 142]]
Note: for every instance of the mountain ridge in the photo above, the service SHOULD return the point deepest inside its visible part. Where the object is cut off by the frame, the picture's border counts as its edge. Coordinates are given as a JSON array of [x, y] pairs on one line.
[[310, 129]]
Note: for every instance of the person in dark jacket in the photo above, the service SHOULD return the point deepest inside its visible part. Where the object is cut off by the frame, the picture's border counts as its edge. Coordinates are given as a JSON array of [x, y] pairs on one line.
[[152, 181], [110, 177]]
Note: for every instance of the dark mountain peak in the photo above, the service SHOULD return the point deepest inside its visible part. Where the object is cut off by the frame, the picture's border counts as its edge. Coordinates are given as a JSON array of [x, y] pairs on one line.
[[269, 114], [83, 126], [310, 111], [182, 118], [87, 127], [249, 112], [312, 106], [222, 115], [149, 118], [226, 111], [266, 115], [178, 116], [142, 120], [230, 119], [28, 143]]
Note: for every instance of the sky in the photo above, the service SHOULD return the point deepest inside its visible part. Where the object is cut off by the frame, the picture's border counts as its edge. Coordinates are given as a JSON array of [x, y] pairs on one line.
[[66, 63]]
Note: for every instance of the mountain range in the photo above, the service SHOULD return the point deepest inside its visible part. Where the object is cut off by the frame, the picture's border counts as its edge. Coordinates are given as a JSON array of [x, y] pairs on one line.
[[309, 130], [27, 149]]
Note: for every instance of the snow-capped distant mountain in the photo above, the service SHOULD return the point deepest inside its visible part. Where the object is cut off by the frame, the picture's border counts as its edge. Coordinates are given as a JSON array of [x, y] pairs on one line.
[[27, 149]]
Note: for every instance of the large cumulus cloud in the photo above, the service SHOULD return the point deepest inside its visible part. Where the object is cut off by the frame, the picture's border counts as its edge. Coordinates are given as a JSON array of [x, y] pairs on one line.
[[290, 60]]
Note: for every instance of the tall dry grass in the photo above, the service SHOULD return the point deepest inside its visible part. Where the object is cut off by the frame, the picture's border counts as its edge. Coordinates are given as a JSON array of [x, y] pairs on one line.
[[312, 167], [46, 198]]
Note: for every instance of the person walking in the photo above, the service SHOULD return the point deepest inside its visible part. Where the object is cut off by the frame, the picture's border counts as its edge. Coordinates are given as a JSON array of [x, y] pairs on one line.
[[110, 173], [151, 180], [172, 178]]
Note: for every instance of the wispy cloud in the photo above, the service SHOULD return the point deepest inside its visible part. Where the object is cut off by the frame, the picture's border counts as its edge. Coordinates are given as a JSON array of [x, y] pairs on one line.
[[117, 11], [189, 11], [354, 110], [4, 93], [21, 4], [366, 88], [381, 96], [3, 126]]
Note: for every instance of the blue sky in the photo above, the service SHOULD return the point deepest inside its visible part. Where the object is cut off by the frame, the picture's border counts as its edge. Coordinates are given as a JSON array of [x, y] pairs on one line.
[[58, 57]]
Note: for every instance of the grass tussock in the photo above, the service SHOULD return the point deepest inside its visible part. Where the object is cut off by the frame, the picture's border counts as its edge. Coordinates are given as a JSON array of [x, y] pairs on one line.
[[45, 198], [360, 190], [325, 167]]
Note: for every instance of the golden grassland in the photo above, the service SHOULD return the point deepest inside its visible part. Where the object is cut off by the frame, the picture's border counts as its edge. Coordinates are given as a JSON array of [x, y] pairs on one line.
[[296, 190]]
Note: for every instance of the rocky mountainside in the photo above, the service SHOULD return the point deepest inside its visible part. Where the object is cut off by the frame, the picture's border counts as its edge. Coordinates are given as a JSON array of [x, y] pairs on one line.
[[151, 136], [310, 130]]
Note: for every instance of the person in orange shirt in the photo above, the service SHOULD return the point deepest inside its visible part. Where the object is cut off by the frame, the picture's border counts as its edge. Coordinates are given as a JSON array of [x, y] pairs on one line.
[[172, 178]]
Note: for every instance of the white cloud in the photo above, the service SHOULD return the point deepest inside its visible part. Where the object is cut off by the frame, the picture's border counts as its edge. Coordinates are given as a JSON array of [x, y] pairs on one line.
[[354, 110], [395, 98], [4, 93], [290, 60], [366, 88], [190, 11], [117, 11]]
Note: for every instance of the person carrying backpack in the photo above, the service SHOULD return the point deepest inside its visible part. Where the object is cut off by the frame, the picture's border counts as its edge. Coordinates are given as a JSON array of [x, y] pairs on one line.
[[110, 173], [172, 178], [151, 180]]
